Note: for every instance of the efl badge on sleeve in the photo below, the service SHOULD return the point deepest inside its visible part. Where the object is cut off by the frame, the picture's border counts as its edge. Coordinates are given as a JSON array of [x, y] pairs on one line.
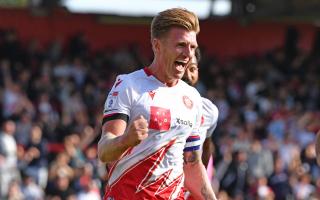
[[112, 98]]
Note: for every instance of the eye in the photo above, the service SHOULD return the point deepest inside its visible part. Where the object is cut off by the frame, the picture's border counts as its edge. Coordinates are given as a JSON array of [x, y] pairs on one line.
[[193, 69], [181, 44]]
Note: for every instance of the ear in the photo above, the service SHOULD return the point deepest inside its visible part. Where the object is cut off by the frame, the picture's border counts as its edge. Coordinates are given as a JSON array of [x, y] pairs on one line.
[[156, 45]]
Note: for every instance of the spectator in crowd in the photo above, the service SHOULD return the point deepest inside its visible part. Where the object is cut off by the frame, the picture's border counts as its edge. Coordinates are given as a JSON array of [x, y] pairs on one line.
[[279, 181], [14, 191], [260, 160], [30, 189], [8, 156], [36, 155]]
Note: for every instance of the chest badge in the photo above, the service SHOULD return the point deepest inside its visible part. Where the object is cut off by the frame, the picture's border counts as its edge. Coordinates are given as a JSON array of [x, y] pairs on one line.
[[187, 102]]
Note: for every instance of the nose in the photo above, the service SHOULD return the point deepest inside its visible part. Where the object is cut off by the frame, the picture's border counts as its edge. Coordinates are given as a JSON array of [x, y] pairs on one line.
[[189, 51]]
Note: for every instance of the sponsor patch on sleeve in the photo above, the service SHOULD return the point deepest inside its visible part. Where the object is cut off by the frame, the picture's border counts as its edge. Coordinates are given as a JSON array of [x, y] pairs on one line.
[[112, 98]]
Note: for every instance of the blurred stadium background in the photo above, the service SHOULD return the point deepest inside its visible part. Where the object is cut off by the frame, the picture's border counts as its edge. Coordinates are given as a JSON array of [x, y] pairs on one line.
[[260, 66]]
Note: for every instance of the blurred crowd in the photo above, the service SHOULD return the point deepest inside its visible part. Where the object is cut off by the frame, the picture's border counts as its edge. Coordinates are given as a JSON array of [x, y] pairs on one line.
[[52, 96]]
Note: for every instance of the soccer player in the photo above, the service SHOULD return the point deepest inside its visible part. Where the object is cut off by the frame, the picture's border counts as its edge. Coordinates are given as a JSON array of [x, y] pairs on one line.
[[209, 117], [210, 111], [151, 120]]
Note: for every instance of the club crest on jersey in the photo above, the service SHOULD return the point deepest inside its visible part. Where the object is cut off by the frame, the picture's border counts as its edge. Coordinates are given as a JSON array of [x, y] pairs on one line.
[[187, 102]]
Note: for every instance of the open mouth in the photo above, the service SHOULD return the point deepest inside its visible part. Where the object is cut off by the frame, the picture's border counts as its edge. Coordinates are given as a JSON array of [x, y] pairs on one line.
[[180, 65]]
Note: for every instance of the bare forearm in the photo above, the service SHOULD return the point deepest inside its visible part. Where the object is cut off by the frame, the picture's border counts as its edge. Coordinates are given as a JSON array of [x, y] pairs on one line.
[[115, 140], [110, 148], [207, 151], [196, 180]]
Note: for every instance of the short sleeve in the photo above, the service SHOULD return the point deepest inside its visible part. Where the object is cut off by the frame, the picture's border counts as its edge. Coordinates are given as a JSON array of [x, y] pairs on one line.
[[119, 99], [210, 117]]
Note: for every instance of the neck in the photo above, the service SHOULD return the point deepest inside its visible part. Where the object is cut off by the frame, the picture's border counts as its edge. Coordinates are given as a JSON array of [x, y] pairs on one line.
[[159, 73]]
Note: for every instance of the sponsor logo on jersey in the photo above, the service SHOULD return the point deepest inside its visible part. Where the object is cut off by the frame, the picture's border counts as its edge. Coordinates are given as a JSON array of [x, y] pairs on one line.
[[112, 98], [151, 94], [117, 83], [184, 122], [187, 102], [160, 118]]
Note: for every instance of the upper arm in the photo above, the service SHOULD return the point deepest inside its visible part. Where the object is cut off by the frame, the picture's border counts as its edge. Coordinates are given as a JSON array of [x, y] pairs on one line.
[[208, 145], [111, 145], [116, 127], [119, 100], [117, 107], [192, 149], [210, 114]]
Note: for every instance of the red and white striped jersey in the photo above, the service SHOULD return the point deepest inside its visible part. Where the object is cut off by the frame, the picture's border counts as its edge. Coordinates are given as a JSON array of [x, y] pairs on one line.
[[154, 168]]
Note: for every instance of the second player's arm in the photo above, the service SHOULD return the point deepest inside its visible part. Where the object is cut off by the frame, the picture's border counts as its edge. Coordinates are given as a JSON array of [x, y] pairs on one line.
[[196, 179], [208, 149]]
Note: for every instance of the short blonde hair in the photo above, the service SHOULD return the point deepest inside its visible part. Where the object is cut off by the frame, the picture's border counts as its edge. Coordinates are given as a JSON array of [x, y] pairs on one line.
[[175, 17]]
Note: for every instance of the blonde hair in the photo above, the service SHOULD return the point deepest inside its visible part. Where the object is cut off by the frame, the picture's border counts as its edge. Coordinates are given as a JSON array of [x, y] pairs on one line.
[[175, 17]]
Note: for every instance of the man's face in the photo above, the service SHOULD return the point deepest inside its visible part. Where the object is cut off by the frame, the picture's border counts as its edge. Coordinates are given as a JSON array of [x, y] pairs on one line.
[[175, 51], [191, 74]]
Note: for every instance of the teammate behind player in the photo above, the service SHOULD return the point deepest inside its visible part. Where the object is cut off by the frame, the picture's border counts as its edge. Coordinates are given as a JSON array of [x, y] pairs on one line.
[[152, 118], [209, 116]]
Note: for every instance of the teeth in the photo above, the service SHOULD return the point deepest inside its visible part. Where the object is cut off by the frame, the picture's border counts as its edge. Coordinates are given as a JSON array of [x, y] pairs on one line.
[[181, 63]]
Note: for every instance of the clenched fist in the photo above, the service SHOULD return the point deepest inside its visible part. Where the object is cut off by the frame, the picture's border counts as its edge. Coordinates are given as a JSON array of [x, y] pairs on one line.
[[137, 132]]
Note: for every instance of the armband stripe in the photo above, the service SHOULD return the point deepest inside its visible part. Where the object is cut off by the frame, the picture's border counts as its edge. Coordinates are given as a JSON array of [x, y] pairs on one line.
[[114, 116]]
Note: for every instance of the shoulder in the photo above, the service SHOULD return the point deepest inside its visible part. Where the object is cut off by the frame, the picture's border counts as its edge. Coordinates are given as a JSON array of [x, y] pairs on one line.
[[190, 90], [128, 80], [209, 108]]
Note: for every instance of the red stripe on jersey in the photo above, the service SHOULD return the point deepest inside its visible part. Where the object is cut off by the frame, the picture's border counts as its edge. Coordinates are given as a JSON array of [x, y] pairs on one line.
[[127, 152], [202, 120], [194, 137], [147, 71], [135, 183], [108, 115]]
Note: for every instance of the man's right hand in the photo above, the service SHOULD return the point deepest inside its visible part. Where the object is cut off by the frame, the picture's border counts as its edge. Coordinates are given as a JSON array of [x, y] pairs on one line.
[[138, 131]]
